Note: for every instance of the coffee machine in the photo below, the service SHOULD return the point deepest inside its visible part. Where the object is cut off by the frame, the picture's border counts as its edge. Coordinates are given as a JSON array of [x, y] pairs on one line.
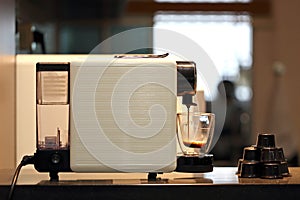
[[113, 113]]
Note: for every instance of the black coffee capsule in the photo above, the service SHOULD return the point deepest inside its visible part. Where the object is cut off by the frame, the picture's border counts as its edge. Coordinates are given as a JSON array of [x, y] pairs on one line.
[[271, 154], [239, 166], [280, 155], [271, 170], [284, 168], [251, 154], [250, 169], [265, 140]]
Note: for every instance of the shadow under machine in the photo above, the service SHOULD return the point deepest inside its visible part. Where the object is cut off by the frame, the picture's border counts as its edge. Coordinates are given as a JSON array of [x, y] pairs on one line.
[[116, 113]]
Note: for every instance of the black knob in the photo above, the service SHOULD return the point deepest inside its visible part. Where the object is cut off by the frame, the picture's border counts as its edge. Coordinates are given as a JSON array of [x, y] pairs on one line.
[[55, 158]]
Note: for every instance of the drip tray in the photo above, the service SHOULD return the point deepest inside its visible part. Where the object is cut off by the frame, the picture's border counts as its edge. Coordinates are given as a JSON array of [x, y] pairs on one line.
[[195, 164]]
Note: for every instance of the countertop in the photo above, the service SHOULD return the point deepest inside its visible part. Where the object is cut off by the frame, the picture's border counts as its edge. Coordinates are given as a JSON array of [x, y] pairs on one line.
[[222, 183]]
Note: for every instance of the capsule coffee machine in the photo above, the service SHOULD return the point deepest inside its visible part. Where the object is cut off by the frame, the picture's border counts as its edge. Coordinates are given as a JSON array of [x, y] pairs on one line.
[[113, 113]]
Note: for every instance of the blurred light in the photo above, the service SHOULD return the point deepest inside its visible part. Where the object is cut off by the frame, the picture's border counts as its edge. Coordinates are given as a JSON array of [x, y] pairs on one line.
[[243, 93], [245, 118], [33, 46]]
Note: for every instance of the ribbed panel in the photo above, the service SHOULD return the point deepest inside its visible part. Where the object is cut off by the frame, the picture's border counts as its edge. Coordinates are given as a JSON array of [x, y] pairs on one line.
[[134, 108]]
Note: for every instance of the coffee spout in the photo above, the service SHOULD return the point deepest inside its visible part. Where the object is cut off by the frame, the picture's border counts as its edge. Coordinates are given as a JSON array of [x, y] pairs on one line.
[[187, 100]]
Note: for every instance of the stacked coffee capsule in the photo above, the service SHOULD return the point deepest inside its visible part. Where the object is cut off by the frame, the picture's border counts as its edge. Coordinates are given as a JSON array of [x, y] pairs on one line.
[[263, 160]]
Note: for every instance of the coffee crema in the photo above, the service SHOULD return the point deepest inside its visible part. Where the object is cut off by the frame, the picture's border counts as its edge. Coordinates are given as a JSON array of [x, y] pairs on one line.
[[194, 144]]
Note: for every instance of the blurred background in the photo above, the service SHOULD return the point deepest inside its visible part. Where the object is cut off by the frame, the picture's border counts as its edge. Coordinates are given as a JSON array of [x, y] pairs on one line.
[[253, 43]]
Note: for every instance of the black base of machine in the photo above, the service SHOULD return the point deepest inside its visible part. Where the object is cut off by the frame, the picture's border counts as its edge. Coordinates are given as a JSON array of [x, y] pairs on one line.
[[55, 161], [195, 164], [52, 161]]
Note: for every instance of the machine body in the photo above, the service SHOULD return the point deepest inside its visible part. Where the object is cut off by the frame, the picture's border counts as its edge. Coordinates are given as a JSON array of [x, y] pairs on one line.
[[110, 113]]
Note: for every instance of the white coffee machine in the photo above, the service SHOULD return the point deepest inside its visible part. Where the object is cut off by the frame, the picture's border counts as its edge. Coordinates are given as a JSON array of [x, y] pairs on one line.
[[111, 113]]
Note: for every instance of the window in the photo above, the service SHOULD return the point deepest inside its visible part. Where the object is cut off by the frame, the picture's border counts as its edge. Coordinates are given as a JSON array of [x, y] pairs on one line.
[[227, 39]]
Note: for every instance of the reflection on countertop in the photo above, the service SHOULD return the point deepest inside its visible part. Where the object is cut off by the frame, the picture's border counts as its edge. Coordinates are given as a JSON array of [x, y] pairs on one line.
[[220, 176]]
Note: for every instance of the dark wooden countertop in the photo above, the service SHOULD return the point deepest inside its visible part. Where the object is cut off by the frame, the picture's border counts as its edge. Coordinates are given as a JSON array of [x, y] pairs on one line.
[[222, 183]]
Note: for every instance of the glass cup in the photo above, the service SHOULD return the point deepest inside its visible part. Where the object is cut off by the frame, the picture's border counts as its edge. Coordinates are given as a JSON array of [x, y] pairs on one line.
[[195, 131]]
